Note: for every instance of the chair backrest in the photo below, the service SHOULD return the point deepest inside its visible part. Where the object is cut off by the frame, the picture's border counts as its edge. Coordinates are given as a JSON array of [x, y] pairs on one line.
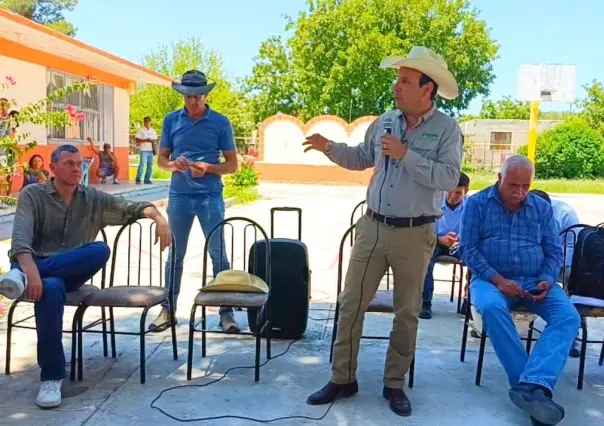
[[218, 231], [137, 252]]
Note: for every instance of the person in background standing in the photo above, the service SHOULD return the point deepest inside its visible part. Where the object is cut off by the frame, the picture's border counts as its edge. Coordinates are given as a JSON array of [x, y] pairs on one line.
[[146, 138]]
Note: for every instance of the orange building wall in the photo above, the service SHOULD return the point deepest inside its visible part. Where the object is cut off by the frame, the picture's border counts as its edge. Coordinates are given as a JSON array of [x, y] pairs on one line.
[[45, 150]]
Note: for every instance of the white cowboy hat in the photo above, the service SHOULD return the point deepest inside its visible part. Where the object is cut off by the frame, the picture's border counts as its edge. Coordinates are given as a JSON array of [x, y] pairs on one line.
[[430, 63]]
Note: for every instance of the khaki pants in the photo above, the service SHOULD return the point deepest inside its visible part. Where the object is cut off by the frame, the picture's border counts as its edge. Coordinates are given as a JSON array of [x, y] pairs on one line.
[[407, 251]]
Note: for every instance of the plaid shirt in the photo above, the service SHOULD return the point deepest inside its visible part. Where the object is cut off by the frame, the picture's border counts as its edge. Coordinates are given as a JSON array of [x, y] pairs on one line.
[[524, 246]]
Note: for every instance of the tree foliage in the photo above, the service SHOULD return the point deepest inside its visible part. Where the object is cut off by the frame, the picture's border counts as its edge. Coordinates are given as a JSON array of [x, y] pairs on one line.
[[331, 61], [593, 105], [45, 12], [175, 60], [572, 150]]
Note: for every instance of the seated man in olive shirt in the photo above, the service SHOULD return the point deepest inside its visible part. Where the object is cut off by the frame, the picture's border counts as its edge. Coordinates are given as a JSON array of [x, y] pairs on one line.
[[53, 251]]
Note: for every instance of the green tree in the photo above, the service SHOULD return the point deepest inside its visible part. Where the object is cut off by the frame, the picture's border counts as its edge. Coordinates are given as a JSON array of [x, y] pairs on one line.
[[593, 106], [175, 60], [572, 150], [505, 109], [331, 61], [45, 12]]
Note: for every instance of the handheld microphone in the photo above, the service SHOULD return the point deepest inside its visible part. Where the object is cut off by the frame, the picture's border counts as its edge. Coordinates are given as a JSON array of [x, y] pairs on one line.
[[388, 130]]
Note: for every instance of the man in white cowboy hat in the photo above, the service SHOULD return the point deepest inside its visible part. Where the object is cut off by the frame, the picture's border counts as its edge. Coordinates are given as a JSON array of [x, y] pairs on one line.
[[416, 153], [192, 140]]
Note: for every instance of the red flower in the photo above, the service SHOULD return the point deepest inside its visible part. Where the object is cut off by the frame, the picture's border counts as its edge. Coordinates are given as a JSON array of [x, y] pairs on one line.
[[80, 116], [11, 80]]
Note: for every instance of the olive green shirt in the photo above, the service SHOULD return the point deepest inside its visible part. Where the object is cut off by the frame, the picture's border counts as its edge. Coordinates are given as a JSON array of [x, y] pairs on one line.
[[44, 225]]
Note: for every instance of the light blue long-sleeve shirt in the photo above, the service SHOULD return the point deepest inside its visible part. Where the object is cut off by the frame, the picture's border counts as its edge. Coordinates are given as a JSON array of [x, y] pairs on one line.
[[415, 185], [451, 218], [523, 246]]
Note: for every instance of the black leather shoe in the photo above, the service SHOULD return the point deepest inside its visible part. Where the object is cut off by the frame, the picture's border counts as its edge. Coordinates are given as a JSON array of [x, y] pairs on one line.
[[399, 403], [537, 402], [426, 312], [575, 352], [331, 392]]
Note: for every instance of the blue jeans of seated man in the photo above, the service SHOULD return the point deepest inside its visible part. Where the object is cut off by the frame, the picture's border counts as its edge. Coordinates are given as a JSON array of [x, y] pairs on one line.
[[146, 158], [61, 273], [548, 358], [428, 292], [182, 209]]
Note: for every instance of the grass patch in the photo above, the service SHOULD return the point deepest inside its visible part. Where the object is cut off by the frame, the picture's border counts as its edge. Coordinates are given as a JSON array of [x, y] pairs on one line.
[[482, 179]]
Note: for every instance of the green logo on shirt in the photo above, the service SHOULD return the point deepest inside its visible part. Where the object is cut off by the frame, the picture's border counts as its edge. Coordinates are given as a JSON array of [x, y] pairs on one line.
[[430, 136]]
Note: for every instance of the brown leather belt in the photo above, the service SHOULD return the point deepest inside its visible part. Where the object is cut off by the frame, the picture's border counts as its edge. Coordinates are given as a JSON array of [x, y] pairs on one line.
[[400, 222]]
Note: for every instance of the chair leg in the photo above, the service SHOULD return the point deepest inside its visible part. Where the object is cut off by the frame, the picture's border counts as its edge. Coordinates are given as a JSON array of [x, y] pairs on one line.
[[459, 291], [453, 282], [258, 334], [203, 331], [269, 327], [529, 337], [80, 343], [112, 331], [75, 329], [601, 355], [173, 327], [583, 354], [464, 337], [334, 331], [483, 341], [412, 373], [143, 357], [190, 349], [104, 325], [9, 334]]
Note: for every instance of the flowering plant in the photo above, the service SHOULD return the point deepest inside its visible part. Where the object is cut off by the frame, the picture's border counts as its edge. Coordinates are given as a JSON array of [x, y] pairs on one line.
[[13, 143]]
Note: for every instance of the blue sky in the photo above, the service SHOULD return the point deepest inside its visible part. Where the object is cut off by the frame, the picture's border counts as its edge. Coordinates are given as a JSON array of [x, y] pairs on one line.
[[529, 31]]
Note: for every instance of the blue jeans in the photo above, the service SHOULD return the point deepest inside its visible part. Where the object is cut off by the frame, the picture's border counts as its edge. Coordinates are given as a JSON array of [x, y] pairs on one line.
[[146, 158], [182, 209], [61, 273], [428, 292], [546, 362]]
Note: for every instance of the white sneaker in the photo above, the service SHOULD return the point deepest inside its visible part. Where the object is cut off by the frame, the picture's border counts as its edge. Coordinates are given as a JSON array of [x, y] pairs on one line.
[[50, 394], [12, 284]]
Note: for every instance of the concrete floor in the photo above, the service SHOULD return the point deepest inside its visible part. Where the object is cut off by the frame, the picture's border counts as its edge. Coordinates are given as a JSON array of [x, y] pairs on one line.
[[444, 392]]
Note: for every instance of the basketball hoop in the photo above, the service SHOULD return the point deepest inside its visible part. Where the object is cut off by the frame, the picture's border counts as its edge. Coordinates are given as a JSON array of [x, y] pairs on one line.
[[544, 83]]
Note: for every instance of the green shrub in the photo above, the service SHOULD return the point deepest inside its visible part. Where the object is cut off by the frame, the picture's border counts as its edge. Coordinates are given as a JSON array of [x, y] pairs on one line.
[[245, 177], [572, 150]]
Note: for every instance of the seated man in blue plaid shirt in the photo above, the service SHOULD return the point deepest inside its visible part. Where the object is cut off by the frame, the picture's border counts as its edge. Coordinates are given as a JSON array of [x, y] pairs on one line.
[[509, 240]]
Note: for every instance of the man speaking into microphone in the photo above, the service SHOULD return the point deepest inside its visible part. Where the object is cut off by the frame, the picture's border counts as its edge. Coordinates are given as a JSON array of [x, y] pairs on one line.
[[416, 153]]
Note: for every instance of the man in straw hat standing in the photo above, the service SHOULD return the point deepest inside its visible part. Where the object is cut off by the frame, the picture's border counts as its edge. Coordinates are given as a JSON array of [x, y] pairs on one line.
[[192, 140], [416, 154]]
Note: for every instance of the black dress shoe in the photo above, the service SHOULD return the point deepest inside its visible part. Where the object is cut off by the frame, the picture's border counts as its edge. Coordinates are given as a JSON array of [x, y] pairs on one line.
[[426, 312], [331, 392], [399, 403], [537, 402]]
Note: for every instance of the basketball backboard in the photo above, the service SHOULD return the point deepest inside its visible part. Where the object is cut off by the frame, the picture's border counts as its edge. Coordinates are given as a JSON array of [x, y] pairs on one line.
[[547, 82]]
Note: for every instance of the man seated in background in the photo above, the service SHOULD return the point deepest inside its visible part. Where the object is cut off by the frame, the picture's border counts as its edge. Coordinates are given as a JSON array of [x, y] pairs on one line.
[[565, 217], [447, 233], [510, 241], [108, 165], [53, 252]]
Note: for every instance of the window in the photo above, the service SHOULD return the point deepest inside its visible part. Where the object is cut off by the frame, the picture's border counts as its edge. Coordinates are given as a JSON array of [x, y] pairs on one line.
[[96, 104], [501, 141]]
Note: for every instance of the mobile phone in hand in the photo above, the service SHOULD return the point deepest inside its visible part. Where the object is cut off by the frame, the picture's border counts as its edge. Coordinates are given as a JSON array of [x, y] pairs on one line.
[[536, 292]]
